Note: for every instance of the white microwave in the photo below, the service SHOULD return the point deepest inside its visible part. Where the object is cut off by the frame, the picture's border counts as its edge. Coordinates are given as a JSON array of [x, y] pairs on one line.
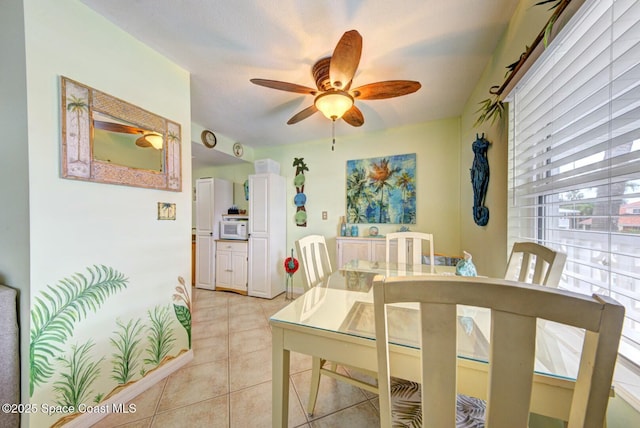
[[233, 229]]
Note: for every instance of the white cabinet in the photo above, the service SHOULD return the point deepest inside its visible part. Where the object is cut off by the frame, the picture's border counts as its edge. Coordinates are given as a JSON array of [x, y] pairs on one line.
[[379, 250], [267, 235], [231, 266], [205, 259], [213, 198], [373, 249]]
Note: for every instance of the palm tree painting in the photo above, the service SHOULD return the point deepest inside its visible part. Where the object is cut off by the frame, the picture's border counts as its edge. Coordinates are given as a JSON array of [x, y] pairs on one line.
[[76, 118], [79, 107], [382, 190]]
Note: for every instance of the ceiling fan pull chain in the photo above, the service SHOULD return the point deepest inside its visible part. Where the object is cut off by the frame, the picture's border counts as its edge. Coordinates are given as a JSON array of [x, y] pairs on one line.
[[333, 134]]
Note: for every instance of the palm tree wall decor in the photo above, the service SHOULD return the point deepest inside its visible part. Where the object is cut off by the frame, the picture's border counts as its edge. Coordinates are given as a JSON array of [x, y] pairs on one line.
[[68, 370], [56, 310], [301, 198], [382, 190], [127, 344], [183, 312]]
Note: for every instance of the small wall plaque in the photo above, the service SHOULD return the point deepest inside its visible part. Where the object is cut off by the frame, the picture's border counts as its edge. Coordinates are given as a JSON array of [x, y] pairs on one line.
[[166, 211]]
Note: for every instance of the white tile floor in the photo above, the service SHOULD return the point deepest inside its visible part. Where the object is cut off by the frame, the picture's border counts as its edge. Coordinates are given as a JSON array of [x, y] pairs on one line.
[[228, 383]]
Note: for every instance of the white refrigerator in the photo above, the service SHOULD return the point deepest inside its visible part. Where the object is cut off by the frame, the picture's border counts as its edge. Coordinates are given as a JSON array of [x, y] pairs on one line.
[[267, 235], [214, 197]]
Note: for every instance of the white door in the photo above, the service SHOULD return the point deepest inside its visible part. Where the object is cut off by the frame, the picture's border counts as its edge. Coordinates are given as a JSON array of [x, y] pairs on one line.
[[204, 206], [258, 205], [224, 269], [204, 261], [213, 197], [259, 272], [205, 246], [239, 270]]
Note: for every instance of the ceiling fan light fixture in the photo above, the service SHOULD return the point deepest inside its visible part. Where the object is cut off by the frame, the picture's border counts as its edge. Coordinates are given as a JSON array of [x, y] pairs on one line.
[[155, 140], [334, 104]]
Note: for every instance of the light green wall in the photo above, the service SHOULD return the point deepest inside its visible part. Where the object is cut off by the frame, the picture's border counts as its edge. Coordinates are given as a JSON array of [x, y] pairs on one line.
[[224, 143], [14, 170], [488, 244], [75, 224], [436, 145], [236, 173]]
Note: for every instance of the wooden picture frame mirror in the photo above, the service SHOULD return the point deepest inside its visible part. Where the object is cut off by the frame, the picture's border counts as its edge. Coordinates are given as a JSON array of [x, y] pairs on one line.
[[108, 140]]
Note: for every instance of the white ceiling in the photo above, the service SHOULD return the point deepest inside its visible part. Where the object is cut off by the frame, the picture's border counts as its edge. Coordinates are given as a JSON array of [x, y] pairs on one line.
[[443, 44]]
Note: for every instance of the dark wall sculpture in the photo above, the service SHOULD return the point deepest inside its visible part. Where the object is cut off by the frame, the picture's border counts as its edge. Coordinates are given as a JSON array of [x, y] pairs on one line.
[[480, 180]]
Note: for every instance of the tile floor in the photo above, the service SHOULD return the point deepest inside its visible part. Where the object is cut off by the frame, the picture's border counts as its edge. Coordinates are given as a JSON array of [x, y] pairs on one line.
[[228, 383]]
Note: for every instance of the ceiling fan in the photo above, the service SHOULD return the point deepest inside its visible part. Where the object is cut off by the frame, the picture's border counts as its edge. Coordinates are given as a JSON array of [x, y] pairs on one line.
[[333, 75], [146, 139]]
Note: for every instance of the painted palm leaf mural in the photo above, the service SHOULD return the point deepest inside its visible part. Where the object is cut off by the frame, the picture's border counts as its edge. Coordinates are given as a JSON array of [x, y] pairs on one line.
[[127, 344], [183, 312], [57, 310], [382, 190], [159, 335], [78, 373], [69, 369]]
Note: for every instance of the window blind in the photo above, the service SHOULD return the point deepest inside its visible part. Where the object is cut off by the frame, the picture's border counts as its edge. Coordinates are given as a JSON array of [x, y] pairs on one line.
[[574, 156]]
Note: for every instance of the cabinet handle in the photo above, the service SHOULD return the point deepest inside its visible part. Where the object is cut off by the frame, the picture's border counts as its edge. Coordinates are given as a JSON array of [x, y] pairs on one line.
[[228, 270]]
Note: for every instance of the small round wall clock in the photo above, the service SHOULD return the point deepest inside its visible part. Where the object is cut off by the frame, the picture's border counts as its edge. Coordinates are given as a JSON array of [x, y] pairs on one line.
[[208, 138], [238, 150]]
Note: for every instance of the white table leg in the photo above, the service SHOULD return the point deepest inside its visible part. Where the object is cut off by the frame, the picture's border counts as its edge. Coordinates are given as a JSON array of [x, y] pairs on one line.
[[279, 379], [316, 365]]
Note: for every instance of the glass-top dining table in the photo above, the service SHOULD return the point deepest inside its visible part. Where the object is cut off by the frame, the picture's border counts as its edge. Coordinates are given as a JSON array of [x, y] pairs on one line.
[[334, 321]]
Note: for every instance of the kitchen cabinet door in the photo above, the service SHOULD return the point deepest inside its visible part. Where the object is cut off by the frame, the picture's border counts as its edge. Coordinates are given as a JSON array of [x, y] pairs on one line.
[[231, 266]]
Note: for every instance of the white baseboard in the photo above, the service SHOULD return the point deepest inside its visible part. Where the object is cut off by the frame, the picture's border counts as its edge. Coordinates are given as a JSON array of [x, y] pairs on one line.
[[129, 393]]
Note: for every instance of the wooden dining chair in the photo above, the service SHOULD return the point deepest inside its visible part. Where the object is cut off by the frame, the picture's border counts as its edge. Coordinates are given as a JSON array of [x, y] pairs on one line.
[[316, 267], [535, 264], [314, 259], [412, 241], [515, 308]]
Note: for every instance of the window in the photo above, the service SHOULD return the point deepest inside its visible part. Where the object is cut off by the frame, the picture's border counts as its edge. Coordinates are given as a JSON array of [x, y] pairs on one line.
[[574, 156]]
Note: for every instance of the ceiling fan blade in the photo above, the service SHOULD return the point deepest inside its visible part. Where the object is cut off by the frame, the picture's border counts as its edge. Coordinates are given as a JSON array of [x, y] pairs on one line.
[[284, 86], [345, 59], [301, 115], [142, 142], [386, 89], [353, 116], [117, 127]]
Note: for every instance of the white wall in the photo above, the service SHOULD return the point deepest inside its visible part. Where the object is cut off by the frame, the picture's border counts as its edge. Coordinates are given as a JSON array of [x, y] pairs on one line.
[[74, 225]]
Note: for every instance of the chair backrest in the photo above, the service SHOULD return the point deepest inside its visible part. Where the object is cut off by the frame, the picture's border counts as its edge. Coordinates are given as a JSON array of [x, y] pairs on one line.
[[314, 259], [546, 269], [416, 239], [515, 308]]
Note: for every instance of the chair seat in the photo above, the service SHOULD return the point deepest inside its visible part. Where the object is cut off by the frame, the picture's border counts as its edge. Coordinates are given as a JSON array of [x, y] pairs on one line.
[[406, 407]]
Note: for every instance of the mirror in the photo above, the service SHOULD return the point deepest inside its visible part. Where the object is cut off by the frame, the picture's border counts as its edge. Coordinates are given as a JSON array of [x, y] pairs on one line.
[[107, 140], [123, 143], [239, 199]]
